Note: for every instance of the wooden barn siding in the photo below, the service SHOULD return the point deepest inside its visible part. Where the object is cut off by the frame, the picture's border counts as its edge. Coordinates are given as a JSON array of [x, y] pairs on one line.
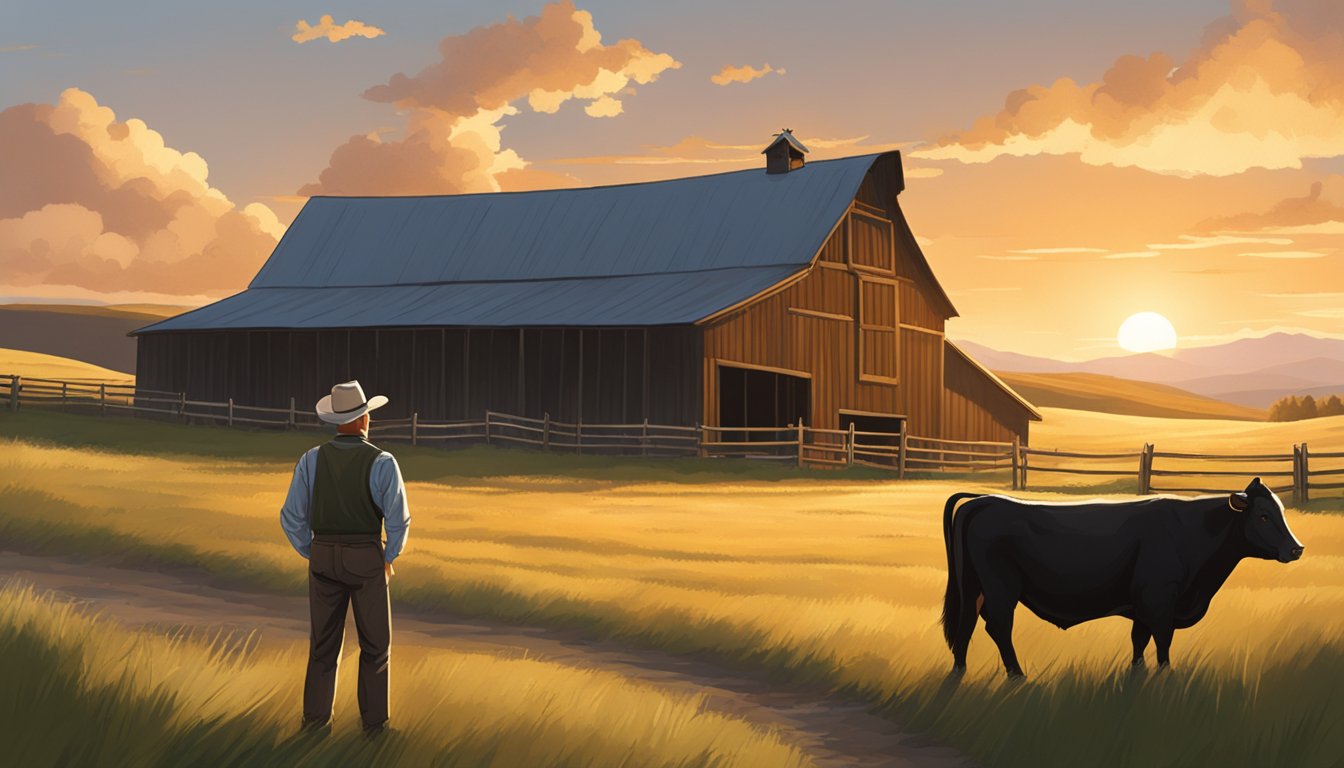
[[975, 408], [768, 334], [605, 375]]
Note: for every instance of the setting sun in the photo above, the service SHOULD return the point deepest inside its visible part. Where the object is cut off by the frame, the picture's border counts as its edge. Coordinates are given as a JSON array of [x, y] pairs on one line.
[[1146, 332]]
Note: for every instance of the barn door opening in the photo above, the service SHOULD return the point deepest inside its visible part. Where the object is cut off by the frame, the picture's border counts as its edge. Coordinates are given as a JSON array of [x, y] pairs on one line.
[[754, 398]]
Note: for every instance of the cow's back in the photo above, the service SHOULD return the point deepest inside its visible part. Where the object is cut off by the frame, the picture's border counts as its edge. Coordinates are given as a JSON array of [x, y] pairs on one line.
[[1075, 562]]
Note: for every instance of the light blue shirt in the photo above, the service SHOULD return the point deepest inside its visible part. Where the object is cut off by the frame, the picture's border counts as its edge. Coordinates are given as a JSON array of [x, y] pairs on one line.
[[389, 493]]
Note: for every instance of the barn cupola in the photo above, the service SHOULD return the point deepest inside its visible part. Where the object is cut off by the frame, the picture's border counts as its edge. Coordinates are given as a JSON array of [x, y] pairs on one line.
[[785, 153]]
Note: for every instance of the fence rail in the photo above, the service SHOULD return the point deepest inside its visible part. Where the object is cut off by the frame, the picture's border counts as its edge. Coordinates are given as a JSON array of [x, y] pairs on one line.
[[898, 452]]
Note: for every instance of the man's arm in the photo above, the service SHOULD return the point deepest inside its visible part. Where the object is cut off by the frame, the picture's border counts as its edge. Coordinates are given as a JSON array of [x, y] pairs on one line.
[[294, 515], [390, 493]]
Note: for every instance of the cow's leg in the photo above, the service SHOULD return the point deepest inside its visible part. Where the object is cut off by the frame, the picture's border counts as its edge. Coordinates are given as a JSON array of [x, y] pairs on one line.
[[1001, 595], [1157, 610], [1139, 635], [966, 621], [999, 624]]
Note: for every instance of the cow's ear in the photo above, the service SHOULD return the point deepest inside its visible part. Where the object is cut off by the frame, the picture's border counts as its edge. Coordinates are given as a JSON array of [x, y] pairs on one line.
[[1238, 501], [1254, 483]]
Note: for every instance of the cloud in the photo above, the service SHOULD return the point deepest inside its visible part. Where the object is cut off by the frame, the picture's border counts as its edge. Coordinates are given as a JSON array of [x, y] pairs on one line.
[[1333, 295], [87, 200], [744, 74], [1061, 250], [18, 48], [1265, 89], [451, 140], [1133, 255], [1286, 254], [988, 257], [327, 29], [1320, 211], [1199, 242], [923, 172], [697, 150], [604, 107], [1328, 313]]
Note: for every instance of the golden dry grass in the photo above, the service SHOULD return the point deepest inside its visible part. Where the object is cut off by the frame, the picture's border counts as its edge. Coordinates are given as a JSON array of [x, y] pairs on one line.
[[833, 580], [189, 701], [43, 366]]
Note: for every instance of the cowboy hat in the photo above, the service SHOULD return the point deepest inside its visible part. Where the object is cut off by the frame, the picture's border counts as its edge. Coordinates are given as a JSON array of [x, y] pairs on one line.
[[347, 403]]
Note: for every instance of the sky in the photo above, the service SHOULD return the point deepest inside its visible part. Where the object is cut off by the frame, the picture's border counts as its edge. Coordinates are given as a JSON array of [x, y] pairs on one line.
[[1068, 164]]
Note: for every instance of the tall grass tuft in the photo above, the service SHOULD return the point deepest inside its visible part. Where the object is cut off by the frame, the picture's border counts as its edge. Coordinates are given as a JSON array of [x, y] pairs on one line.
[[81, 691]]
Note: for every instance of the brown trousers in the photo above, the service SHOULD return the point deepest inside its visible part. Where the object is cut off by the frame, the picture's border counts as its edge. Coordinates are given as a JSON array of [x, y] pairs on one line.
[[345, 570]]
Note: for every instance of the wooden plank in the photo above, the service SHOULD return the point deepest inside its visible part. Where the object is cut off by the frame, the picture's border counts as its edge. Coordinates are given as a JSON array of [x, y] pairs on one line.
[[1067, 471], [1076, 455], [819, 314]]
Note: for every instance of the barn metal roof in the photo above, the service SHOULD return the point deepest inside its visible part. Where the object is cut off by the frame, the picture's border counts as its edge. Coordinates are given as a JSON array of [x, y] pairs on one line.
[[660, 299], [655, 253]]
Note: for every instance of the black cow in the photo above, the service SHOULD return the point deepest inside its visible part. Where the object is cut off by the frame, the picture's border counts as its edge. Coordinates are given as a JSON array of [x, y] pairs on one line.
[[1156, 561]]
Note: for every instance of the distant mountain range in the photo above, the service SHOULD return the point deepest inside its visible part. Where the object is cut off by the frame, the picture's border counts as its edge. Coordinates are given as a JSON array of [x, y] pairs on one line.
[[1250, 372]]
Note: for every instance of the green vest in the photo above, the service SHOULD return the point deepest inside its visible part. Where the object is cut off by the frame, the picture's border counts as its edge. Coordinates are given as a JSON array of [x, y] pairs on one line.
[[342, 500]]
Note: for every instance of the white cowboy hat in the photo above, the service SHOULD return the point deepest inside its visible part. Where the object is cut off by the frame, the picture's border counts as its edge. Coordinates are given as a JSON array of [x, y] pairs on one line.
[[347, 403]]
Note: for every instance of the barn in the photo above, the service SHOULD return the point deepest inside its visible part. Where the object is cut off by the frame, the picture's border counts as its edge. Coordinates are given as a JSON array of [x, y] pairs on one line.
[[761, 297]]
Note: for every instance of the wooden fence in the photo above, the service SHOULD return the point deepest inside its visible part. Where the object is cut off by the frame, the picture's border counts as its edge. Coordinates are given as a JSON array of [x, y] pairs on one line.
[[803, 446], [1290, 472]]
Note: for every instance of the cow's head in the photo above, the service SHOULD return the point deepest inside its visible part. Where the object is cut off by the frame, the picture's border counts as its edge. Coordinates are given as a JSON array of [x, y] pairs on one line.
[[1266, 529]]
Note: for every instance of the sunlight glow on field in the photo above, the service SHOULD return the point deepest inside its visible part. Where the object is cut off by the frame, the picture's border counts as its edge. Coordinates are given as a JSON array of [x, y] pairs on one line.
[[834, 580]]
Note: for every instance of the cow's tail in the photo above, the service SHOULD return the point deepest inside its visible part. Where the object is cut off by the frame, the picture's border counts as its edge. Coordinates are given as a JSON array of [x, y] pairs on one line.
[[952, 599]]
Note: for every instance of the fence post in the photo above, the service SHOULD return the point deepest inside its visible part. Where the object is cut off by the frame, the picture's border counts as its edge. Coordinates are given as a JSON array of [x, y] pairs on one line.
[[1146, 470], [1017, 455], [1306, 475], [699, 440], [801, 438], [230, 422], [293, 414], [1297, 473], [1026, 461], [487, 427], [102, 399], [415, 426], [900, 454], [849, 448], [65, 391], [578, 435], [644, 438], [546, 431], [15, 389]]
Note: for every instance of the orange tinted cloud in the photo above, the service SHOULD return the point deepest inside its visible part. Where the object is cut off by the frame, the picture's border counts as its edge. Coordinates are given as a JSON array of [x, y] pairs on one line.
[[452, 141], [744, 74], [1264, 90], [106, 205], [1322, 205], [326, 28]]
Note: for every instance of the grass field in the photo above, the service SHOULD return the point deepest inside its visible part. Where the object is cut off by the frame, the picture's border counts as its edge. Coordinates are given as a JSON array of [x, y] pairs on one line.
[[822, 577], [93, 692], [1111, 394], [42, 366]]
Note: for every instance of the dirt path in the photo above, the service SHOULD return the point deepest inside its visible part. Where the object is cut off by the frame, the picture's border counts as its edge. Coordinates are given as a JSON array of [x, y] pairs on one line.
[[833, 732]]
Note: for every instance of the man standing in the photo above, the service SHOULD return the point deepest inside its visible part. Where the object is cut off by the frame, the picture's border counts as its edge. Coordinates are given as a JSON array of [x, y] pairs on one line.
[[342, 493]]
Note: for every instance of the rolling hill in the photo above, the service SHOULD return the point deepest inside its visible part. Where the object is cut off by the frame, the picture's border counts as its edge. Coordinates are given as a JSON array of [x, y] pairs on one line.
[[91, 334], [41, 366], [1110, 394]]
